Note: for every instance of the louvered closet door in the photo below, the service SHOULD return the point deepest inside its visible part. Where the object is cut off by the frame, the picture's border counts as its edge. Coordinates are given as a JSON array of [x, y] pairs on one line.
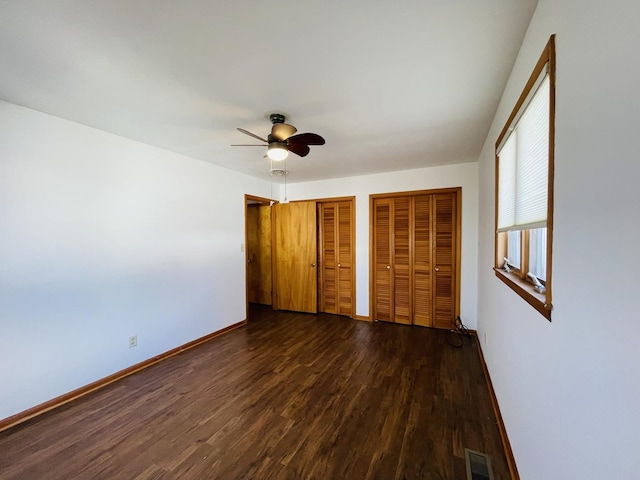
[[328, 277], [345, 252], [422, 278], [382, 294], [336, 259], [445, 259], [414, 248], [401, 265]]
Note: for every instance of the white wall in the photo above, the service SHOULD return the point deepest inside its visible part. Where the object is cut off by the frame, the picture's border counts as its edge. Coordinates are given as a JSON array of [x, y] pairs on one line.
[[102, 238], [569, 391], [460, 175]]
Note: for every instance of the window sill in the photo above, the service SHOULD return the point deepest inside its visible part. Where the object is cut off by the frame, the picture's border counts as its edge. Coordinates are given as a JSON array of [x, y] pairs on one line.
[[525, 290]]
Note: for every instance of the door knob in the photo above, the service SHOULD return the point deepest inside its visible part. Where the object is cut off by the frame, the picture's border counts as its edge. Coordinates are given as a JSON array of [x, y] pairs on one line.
[[437, 269], [339, 265], [388, 267], [313, 264]]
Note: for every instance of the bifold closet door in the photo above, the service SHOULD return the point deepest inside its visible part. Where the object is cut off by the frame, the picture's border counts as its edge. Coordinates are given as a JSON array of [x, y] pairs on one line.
[[401, 261], [295, 257], [422, 252], [445, 244], [336, 257], [393, 284], [402, 250], [383, 242], [346, 258], [415, 255]]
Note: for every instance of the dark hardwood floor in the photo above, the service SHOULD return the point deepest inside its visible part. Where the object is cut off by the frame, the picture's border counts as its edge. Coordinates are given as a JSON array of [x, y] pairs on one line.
[[289, 396]]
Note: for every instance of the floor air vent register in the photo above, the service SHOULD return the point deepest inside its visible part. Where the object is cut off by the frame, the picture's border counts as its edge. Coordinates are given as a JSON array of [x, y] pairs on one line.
[[478, 465]]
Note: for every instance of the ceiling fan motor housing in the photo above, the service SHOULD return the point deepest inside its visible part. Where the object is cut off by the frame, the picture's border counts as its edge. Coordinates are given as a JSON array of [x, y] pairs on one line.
[[276, 118]]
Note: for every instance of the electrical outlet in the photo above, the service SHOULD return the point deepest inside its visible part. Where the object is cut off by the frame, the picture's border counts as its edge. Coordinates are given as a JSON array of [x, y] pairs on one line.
[[133, 341]]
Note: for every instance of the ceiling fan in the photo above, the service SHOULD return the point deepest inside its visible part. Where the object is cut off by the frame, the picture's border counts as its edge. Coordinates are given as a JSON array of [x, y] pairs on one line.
[[282, 140]]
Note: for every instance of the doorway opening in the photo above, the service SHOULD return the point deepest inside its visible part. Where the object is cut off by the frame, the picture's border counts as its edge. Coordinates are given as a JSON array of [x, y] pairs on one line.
[[258, 253], [300, 256]]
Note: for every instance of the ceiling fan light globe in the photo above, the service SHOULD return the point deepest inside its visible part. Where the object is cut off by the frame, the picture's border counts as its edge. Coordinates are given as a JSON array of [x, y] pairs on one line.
[[277, 153]]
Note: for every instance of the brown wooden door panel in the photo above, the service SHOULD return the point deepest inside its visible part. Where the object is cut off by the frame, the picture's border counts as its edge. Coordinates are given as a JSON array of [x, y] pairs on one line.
[[253, 253], [345, 292], [382, 306], [415, 242], [345, 254], [336, 257], [422, 299], [445, 257], [382, 294], [296, 257], [444, 298], [422, 279], [329, 302], [401, 294], [345, 240], [259, 278], [264, 258], [401, 261], [328, 281]]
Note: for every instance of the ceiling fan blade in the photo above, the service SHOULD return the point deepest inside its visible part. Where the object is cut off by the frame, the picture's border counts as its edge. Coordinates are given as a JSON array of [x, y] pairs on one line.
[[306, 139], [248, 145], [299, 149], [282, 131], [247, 132]]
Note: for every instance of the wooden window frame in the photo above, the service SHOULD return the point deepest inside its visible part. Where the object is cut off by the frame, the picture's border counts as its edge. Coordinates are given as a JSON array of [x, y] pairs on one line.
[[516, 280]]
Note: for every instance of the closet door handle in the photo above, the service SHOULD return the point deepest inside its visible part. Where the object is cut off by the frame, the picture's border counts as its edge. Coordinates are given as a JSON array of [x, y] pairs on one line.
[[313, 264], [339, 265], [437, 269], [388, 267]]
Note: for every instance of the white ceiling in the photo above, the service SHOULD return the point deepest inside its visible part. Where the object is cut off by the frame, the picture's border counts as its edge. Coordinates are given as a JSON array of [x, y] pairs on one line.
[[389, 85]]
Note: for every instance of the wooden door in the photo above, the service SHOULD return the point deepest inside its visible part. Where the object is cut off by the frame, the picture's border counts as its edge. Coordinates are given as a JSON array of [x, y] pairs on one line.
[[415, 248], [328, 261], [295, 257], [265, 257], [253, 251], [422, 252], [393, 239], [382, 244], [401, 265], [444, 254], [259, 279], [336, 257], [346, 258]]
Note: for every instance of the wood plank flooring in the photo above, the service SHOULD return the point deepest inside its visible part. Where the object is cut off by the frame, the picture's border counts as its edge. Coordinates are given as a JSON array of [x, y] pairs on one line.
[[289, 396]]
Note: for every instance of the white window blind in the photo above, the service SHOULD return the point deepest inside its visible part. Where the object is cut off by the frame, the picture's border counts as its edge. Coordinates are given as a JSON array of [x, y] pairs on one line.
[[523, 163]]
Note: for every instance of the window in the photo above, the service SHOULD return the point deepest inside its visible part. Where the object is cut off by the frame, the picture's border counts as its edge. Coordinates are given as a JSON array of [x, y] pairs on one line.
[[524, 188]]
